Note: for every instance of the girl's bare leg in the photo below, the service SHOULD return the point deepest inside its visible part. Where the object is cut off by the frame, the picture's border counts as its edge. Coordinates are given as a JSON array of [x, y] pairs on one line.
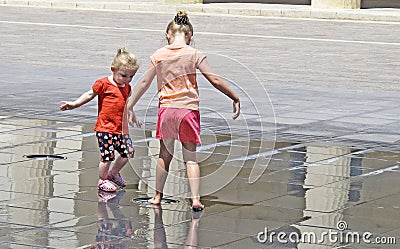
[[118, 165], [163, 162], [103, 169], [193, 172]]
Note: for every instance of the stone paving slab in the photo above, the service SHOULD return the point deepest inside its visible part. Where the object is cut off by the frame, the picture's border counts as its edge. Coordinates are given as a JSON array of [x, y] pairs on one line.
[[243, 9]]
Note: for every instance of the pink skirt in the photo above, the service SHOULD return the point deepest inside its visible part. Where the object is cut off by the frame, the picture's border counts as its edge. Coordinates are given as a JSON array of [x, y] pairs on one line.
[[178, 123]]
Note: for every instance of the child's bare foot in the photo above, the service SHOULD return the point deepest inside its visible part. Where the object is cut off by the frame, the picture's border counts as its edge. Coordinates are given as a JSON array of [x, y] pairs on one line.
[[196, 205], [156, 200]]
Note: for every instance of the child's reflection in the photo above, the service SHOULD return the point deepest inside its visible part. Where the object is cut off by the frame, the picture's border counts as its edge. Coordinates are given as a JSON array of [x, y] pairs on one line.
[[112, 232], [160, 239]]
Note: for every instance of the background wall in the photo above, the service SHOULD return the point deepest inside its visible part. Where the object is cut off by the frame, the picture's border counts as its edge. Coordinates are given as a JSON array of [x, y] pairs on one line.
[[364, 3]]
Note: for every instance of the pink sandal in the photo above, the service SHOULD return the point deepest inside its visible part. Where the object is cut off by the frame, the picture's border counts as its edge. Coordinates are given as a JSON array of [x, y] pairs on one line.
[[106, 185], [117, 180], [105, 196]]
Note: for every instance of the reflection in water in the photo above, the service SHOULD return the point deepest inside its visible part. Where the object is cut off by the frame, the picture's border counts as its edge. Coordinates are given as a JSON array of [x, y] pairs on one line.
[[43, 194], [40, 178], [323, 166], [116, 231], [160, 238]]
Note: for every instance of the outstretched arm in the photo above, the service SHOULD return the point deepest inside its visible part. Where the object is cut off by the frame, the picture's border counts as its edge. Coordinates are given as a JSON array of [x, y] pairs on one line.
[[138, 92], [83, 99], [221, 85]]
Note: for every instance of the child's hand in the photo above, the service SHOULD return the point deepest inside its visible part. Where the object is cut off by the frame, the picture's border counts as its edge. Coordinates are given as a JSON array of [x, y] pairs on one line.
[[67, 105], [236, 109], [132, 120]]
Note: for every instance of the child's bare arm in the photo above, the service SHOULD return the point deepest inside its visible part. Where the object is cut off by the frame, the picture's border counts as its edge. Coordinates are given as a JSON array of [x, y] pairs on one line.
[[133, 120], [142, 86], [138, 92], [221, 85], [83, 99]]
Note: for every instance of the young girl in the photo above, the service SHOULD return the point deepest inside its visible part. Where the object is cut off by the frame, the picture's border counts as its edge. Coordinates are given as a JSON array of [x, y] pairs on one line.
[[113, 92], [178, 116]]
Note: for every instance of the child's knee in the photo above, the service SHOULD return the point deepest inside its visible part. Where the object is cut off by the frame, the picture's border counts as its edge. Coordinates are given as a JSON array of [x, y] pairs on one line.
[[124, 159], [104, 163], [191, 163]]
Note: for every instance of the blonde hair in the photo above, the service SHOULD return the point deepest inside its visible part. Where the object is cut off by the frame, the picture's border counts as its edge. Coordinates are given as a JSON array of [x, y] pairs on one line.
[[181, 23], [124, 59]]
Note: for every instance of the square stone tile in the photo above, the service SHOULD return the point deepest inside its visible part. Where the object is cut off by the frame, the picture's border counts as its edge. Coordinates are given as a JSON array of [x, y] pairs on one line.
[[250, 220], [17, 140], [291, 121], [381, 182], [35, 215], [200, 236], [8, 128], [346, 193], [249, 242], [287, 202], [240, 192], [22, 123], [379, 154], [381, 214], [58, 238], [301, 177], [353, 225], [7, 228], [376, 137], [14, 197]]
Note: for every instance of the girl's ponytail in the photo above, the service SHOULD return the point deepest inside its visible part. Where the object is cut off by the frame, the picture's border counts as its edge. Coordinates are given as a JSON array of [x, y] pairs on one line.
[[122, 50], [124, 59]]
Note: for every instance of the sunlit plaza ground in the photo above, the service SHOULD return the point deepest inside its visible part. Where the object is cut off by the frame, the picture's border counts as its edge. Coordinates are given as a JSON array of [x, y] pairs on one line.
[[313, 161]]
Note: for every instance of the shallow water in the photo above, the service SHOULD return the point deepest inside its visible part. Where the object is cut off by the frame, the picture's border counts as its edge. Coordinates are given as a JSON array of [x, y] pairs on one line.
[[307, 188]]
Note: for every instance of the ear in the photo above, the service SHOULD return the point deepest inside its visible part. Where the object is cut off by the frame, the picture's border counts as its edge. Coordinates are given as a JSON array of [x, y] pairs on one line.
[[113, 69], [189, 39]]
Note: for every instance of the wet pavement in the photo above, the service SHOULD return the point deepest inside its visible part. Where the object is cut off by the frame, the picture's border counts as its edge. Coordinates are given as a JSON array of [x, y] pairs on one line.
[[322, 144], [307, 188]]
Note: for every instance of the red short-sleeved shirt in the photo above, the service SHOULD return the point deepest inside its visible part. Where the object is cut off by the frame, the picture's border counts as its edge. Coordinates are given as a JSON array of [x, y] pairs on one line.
[[111, 106]]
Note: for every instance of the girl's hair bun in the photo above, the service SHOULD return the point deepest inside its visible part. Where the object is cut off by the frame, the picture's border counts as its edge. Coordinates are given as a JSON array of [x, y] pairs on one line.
[[181, 18]]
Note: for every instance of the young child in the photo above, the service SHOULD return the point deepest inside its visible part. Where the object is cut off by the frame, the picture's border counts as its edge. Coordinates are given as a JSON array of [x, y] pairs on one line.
[[113, 92], [178, 116]]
